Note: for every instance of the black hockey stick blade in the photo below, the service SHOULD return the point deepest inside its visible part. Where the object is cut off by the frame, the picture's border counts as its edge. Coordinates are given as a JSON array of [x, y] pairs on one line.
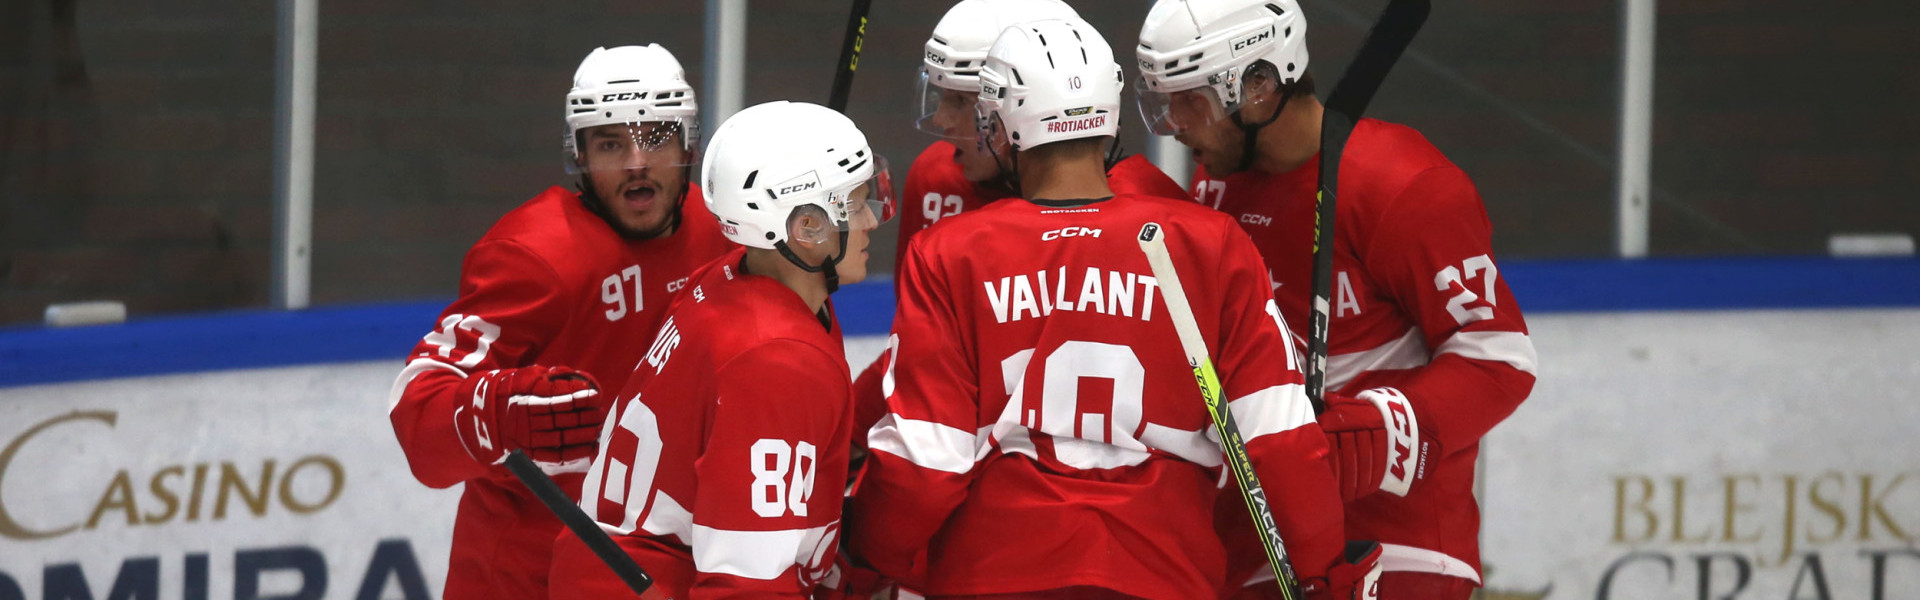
[[849, 55], [577, 521], [1389, 38]]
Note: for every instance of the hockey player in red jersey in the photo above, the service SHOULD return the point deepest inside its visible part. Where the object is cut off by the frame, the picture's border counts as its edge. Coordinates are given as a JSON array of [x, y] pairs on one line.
[[1045, 438], [555, 302], [721, 472], [1422, 325], [955, 174]]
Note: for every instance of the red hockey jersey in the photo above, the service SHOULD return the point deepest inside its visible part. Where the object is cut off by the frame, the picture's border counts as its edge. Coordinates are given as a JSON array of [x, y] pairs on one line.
[[936, 189], [1044, 429], [551, 284], [936, 183], [721, 472], [1418, 305]]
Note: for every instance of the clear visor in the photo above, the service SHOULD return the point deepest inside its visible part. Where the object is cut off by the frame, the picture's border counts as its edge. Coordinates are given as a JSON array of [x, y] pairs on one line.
[[1169, 113], [943, 112], [871, 203], [631, 146]]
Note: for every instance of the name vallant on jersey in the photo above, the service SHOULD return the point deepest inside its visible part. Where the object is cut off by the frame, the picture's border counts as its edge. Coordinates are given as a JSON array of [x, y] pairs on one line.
[[1038, 294]]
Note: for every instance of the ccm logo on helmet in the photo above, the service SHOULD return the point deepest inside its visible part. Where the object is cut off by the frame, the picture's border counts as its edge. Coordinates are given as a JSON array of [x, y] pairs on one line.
[[936, 58], [1244, 43], [1068, 232], [1077, 124], [624, 96], [799, 187]]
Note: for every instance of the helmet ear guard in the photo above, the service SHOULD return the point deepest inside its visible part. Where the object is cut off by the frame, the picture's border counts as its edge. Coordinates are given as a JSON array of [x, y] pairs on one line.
[[808, 223]]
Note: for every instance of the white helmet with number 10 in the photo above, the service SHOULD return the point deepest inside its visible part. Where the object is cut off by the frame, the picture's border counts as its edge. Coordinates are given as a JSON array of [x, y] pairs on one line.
[[1048, 81]]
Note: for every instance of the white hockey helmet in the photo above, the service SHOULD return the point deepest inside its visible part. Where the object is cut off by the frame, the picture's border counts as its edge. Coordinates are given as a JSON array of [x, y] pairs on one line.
[[1048, 81], [958, 47], [1191, 44], [770, 159], [634, 85]]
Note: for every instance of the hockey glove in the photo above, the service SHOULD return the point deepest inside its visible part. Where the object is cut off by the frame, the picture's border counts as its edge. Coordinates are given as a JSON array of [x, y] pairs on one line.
[[1355, 578], [553, 413], [1376, 443]]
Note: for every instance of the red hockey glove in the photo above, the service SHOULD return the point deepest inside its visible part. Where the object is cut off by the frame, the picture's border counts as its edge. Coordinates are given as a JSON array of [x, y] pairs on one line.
[[1376, 443], [1355, 578], [553, 413]]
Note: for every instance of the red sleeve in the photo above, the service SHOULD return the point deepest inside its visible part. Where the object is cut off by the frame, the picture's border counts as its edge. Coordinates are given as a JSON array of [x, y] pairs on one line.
[[766, 515], [510, 304], [923, 449], [1137, 175], [870, 396], [1432, 249], [1260, 376]]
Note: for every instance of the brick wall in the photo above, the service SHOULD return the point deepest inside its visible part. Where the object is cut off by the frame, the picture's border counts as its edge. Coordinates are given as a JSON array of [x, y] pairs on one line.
[[137, 136]]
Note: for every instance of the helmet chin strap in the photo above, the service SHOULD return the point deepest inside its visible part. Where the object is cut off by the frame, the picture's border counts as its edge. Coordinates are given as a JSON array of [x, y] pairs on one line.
[[1009, 177], [1251, 132], [828, 266]]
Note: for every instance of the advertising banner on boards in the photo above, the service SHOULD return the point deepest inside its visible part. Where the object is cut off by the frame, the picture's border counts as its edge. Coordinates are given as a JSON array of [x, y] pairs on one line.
[[1739, 455], [248, 484], [1750, 455], [267, 483]]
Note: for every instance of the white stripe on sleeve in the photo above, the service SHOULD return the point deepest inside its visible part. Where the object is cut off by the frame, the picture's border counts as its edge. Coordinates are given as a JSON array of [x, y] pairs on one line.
[[414, 369], [925, 443], [1511, 347], [762, 555], [1271, 410]]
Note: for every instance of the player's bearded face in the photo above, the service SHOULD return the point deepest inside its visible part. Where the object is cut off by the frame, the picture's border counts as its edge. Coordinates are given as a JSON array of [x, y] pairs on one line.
[[1216, 142], [638, 171], [954, 117]]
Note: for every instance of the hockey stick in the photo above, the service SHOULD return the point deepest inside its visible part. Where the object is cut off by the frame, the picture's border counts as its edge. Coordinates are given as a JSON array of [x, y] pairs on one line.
[[849, 55], [577, 520], [1398, 23], [1153, 243]]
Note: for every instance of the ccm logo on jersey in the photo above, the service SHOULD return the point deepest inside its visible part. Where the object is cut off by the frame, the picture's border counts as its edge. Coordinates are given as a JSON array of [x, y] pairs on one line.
[[624, 96], [1068, 232], [1244, 43], [1076, 124], [1253, 219]]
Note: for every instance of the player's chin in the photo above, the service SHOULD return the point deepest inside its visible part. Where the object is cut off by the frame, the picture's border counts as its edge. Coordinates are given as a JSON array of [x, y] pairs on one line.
[[853, 269], [645, 222]]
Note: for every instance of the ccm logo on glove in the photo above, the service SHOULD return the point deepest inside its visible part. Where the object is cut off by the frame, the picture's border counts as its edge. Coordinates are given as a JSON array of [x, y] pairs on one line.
[[1376, 443]]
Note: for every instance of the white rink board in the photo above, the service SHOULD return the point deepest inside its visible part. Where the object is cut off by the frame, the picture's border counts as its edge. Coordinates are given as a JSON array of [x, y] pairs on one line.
[[62, 475], [1799, 410], [84, 434], [1822, 397]]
